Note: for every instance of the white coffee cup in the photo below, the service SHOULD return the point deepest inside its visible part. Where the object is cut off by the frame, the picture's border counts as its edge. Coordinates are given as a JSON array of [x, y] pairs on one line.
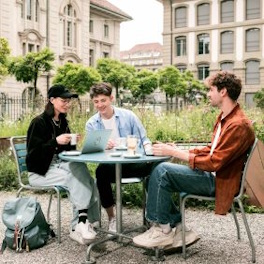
[[121, 142], [73, 139]]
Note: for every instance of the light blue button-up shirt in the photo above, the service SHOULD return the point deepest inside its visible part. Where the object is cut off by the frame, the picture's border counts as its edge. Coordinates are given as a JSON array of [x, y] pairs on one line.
[[127, 124]]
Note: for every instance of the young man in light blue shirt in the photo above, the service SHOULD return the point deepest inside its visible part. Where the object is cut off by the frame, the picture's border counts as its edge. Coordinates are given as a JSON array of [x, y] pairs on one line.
[[123, 122]]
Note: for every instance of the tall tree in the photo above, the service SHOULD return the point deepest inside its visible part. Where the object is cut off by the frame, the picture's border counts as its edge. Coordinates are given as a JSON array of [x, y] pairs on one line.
[[77, 77], [115, 72], [171, 82], [146, 83], [4, 56], [28, 68]]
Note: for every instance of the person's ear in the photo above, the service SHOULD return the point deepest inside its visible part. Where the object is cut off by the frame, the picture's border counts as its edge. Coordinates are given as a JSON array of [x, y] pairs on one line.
[[112, 98], [51, 99]]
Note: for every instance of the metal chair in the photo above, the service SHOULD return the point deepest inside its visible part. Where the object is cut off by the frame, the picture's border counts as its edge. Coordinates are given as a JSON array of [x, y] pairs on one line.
[[19, 148], [238, 198]]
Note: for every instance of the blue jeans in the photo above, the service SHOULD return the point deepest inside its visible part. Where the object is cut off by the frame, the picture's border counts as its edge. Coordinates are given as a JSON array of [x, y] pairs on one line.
[[167, 178]]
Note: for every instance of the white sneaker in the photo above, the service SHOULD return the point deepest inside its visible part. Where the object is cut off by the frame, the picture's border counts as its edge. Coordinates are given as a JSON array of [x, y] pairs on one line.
[[112, 226], [77, 237], [86, 230], [154, 237]]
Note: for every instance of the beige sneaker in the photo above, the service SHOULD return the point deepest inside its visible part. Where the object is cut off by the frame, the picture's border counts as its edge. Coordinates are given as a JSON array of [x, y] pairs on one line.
[[191, 237], [154, 237]]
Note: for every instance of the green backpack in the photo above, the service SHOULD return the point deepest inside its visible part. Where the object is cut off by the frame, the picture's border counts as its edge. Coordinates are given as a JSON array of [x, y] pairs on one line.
[[26, 225]]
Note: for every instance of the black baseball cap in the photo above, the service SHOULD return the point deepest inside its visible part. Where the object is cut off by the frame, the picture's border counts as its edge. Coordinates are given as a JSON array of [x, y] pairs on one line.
[[59, 90]]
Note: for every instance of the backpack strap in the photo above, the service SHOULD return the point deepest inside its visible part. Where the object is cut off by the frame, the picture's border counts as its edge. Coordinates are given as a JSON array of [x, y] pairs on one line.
[[3, 247]]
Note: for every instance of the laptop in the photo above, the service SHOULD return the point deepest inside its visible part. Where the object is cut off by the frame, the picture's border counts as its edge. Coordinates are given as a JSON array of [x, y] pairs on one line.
[[96, 140]]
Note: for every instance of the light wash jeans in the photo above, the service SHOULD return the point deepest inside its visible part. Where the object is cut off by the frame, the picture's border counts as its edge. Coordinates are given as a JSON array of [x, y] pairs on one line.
[[167, 178], [76, 179]]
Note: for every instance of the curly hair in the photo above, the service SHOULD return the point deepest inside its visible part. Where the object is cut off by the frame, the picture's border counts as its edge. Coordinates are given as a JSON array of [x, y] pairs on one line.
[[102, 88], [228, 80]]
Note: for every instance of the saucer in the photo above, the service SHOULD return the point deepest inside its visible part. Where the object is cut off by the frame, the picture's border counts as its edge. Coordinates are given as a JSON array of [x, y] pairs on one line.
[[71, 153], [136, 156], [115, 154]]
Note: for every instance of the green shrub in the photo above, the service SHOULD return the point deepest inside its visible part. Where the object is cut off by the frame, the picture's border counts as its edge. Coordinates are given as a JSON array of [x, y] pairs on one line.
[[8, 172]]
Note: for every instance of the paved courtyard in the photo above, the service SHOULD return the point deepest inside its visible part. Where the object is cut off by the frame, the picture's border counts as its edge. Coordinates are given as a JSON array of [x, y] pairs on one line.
[[218, 243]]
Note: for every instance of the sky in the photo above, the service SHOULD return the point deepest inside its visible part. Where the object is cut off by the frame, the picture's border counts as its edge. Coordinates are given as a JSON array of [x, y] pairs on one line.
[[147, 23]]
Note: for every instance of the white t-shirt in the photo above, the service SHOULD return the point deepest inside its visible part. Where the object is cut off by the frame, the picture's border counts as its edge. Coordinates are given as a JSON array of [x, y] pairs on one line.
[[111, 124]]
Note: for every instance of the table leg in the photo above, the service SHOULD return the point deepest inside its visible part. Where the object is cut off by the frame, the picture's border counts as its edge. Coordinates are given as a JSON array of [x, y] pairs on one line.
[[118, 173]]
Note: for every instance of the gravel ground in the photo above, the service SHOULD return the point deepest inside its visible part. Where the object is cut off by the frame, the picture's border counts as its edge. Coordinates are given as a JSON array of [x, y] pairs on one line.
[[218, 243]]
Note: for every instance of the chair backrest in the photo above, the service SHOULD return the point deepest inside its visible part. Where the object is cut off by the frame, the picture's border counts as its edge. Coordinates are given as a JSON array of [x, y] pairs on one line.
[[19, 148], [244, 172]]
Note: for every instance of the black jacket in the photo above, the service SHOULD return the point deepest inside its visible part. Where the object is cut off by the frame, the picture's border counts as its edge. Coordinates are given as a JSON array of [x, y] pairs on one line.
[[42, 144]]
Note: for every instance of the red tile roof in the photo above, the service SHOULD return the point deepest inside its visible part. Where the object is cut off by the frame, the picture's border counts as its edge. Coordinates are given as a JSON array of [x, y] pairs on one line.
[[108, 6]]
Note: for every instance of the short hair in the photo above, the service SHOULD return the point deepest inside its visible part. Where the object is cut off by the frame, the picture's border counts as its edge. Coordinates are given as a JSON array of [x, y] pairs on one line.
[[102, 88], [228, 80]]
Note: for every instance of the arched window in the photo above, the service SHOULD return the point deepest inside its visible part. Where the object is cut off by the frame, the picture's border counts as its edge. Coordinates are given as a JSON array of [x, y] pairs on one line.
[[253, 9], [69, 26], [227, 42], [227, 66], [227, 11], [180, 43], [203, 43], [203, 14], [252, 72], [203, 71], [253, 39], [180, 17]]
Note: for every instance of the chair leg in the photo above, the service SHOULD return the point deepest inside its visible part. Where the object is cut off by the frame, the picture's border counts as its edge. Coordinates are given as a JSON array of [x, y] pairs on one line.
[[49, 206], [248, 231], [144, 198], [236, 221], [58, 215], [182, 208], [19, 191]]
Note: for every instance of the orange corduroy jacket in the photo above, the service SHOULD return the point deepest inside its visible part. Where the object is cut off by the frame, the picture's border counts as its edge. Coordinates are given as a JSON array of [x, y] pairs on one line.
[[228, 157]]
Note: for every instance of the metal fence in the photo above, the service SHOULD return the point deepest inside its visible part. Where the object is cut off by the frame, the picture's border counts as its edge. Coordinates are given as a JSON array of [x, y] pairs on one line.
[[16, 108]]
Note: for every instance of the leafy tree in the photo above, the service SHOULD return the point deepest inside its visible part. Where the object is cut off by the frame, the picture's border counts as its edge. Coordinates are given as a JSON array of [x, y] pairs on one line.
[[146, 83], [117, 73], [193, 86], [259, 98], [171, 82], [77, 77], [4, 55], [28, 68]]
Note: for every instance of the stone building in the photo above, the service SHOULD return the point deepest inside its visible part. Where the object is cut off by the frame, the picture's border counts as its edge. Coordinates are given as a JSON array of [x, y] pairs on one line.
[[79, 31], [143, 56], [205, 36]]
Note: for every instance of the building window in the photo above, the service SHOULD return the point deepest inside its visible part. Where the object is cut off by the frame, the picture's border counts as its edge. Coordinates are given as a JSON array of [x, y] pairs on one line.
[[252, 9], [32, 10], [106, 31], [252, 72], [180, 17], [180, 46], [91, 57], [91, 30], [227, 66], [227, 42], [203, 14], [181, 68], [227, 11], [203, 44], [105, 54], [253, 39], [203, 71], [69, 26]]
